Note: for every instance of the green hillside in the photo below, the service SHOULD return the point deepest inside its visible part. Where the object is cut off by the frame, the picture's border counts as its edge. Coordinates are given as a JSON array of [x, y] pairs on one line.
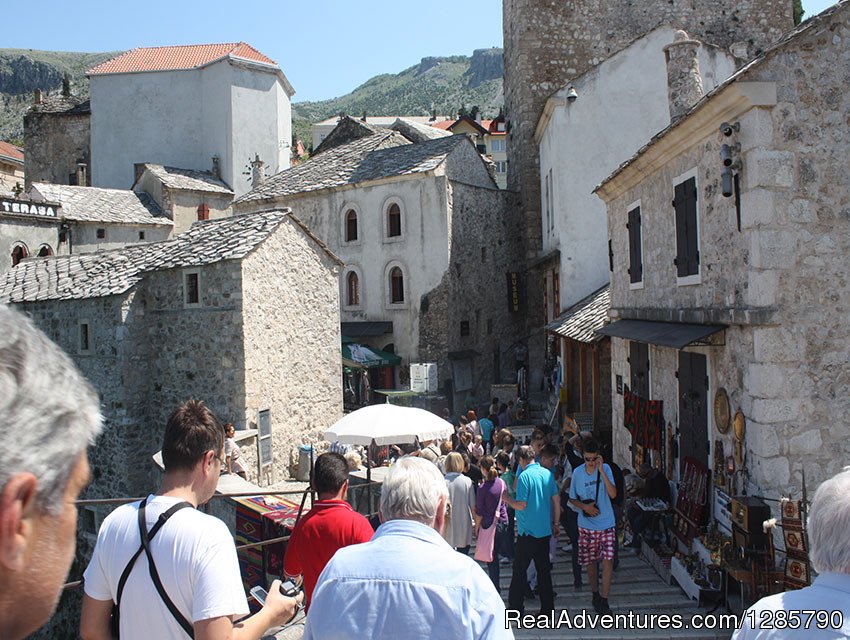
[[22, 71], [442, 84]]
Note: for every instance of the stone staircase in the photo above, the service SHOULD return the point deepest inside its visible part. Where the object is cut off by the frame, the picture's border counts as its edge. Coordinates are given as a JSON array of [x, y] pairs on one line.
[[636, 588]]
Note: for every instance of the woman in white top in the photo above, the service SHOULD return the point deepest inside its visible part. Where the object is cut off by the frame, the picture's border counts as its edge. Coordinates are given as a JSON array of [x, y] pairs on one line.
[[231, 452], [458, 531]]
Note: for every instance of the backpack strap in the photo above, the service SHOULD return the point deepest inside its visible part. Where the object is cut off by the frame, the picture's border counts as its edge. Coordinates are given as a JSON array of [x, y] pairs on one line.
[[146, 537], [129, 568]]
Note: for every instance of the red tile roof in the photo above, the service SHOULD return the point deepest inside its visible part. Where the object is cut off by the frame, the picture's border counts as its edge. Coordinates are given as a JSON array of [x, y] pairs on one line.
[[444, 125], [178, 57], [11, 151]]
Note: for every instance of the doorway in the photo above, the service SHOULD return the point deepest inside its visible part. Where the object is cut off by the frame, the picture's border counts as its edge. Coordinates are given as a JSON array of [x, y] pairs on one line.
[[693, 408]]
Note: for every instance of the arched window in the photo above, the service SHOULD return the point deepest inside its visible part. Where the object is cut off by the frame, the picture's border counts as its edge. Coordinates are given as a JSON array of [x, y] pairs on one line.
[[45, 251], [396, 285], [393, 221], [19, 252], [351, 225], [203, 212], [352, 289]]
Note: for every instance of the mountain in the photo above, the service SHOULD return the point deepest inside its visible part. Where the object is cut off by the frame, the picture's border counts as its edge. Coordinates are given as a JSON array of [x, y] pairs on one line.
[[22, 71], [443, 84]]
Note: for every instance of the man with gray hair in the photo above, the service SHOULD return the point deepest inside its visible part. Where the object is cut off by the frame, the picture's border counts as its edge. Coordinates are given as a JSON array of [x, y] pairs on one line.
[[407, 582], [49, 414], [821, 610]]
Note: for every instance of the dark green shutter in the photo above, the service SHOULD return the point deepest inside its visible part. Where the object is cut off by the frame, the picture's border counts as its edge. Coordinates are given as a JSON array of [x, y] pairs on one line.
[[687, 247], [635, 257]]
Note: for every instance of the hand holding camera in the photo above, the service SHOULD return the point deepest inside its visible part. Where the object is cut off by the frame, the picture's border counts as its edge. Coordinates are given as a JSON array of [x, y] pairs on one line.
[[589, 507], [283, 601]]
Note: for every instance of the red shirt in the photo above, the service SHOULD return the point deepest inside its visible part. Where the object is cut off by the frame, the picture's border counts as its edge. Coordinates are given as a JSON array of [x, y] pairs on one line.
[[328, 526]]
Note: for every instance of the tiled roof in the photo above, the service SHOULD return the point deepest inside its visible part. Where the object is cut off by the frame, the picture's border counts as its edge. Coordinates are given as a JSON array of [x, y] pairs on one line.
[[347, 130], [94, 204], [177, 57], [106, 273], [188, 179], [443, 124], [580, 321], [416, 131], [370, 158], [11, 151]]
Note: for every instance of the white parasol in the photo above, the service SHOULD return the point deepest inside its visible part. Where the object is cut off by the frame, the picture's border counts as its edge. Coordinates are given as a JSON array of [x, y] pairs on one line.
[[388, 424]]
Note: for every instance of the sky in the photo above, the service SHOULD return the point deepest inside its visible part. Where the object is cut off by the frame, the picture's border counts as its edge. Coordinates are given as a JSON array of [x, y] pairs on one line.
[[326, 48]]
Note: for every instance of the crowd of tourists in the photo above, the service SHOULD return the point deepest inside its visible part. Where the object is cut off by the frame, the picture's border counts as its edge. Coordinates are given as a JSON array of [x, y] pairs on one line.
[[163, 569]]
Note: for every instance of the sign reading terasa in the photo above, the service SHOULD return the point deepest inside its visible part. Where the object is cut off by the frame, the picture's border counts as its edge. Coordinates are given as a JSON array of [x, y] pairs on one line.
[[7, 205]]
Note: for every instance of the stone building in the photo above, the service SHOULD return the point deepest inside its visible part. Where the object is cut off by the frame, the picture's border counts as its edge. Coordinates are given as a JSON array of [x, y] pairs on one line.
[[547, 44], [490, 139], [11, 168], [427, 239], [743, 280], [185, 195], [144, 106], [241, 312], [586, 130], [60, 220], [57, 132]]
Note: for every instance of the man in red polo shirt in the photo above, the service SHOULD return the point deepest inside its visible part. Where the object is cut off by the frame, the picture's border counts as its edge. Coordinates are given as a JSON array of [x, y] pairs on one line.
[[330, 525]]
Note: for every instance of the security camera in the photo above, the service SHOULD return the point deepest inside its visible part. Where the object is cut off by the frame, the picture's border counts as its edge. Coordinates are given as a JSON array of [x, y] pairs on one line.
[[726, 153], [728, 129], [572, 96], [727, 183]]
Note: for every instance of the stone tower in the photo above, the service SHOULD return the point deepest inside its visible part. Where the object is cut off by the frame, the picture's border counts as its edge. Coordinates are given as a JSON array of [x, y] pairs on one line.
[[549, 42]]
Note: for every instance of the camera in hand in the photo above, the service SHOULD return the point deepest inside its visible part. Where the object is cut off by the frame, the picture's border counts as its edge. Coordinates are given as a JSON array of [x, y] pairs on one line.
[[589, 501], [289, 588]]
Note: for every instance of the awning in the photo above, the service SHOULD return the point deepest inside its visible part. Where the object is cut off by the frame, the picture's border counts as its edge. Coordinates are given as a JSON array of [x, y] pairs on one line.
[[581, 321], [368, 357], [675, 335], [365, 329]]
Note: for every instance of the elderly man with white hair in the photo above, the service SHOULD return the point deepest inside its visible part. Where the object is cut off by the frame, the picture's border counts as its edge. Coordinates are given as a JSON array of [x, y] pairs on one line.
[[407, 582], [821, 610], [49, 414]]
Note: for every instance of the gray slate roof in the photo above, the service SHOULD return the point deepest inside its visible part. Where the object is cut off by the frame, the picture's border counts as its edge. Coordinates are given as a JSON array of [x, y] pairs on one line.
[[188, 179], [377, 156], [106, 273], [69, 105], [94, 204], [418, 132], [581, 320]]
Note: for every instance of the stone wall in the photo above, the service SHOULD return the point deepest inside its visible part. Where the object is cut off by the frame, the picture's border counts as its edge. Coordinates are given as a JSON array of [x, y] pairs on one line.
[[293, 360], [484, 247], [55, 143], [780, 282], [183, 206]]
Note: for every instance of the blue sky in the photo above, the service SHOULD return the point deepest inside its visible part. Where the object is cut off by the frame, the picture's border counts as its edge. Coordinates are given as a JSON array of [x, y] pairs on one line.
[[326, 47]]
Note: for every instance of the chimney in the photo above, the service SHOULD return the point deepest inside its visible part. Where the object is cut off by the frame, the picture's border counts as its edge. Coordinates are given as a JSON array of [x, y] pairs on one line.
[[39, 96], [363, 117], [81, 174], [684, 83], [258, 172], [66, 85], [216, 167]]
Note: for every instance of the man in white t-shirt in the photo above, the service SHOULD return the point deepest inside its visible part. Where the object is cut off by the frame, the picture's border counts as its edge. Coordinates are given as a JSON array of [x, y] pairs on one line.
[[194, 554]]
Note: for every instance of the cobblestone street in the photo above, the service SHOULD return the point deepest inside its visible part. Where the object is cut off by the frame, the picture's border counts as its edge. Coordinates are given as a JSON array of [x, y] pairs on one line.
[[636, 587]]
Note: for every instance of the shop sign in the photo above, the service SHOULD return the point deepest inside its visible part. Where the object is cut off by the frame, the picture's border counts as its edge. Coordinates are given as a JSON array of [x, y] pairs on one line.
[[515, 291], [8, 205]]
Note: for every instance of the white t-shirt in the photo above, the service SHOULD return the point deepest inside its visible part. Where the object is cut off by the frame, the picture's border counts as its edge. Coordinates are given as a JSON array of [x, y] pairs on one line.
[[196, 560], [231, 449]]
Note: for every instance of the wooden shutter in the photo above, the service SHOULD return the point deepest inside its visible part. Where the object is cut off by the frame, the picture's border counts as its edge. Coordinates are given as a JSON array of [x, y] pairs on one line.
[[687, 248], [639, 366], [635, 257]]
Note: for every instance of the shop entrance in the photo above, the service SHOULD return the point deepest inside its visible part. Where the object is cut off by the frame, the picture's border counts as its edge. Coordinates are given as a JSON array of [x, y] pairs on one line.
[[693, 407]]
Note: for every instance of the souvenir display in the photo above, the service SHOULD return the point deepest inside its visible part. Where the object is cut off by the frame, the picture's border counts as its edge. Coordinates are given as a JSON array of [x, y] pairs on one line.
[[796, 544], [692, 500], [722, 414], [739, 424]]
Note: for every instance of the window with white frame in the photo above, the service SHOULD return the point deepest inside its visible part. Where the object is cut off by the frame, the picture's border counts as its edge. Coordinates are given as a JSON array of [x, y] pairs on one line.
[[501, 166], [192, 288], [635, 246], [498, 144], [687, 259]]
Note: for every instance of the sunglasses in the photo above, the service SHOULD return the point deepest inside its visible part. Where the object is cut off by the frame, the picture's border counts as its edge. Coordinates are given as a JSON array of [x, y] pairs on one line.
[[593, 459]]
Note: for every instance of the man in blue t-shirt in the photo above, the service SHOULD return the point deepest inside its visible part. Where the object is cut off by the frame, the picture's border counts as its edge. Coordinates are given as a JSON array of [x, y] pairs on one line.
[[538, 512], [591, 490]]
